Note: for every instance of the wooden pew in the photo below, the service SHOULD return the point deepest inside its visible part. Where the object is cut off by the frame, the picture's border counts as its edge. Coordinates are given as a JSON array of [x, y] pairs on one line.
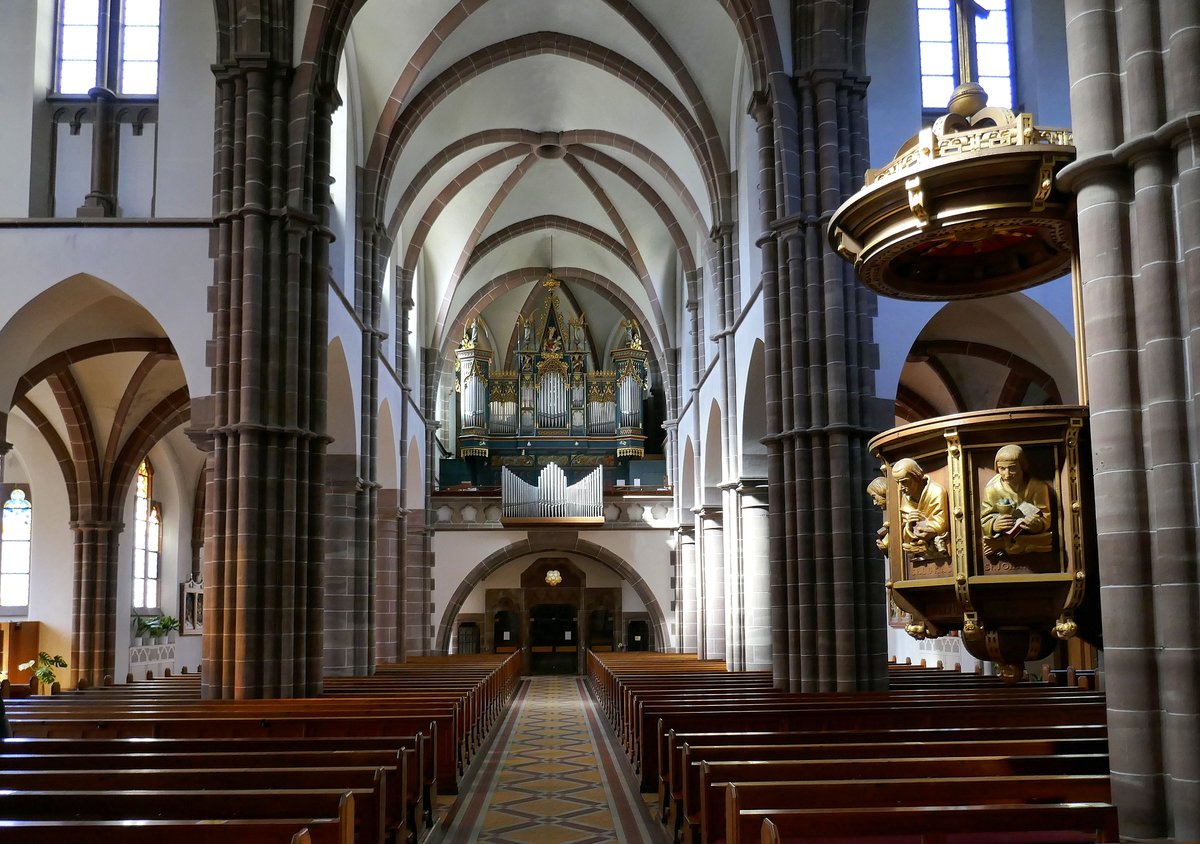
[[715, 776], [284, 812], [419, 782], [752, 703], [688, 766], [401, 774], [232, 724], [848, 716], [238, 831], [919, 824], [1056, 739], [378, 811]]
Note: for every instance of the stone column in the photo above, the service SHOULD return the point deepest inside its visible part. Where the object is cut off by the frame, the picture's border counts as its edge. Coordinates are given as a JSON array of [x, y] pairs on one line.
[[712, 574], [754, 530], [735, 606], [388, 593], [342, 585], [1136, 106], [264, 625], [94, 600], [687, 614], [372, 249], [101, 199], [826, 596]]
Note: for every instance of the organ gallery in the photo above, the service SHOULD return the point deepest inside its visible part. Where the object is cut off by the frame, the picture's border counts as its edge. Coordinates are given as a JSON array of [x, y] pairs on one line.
[[556, 394]]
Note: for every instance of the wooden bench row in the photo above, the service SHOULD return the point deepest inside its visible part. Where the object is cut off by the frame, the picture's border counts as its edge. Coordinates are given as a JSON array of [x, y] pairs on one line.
[[380, 747], [733, 753]]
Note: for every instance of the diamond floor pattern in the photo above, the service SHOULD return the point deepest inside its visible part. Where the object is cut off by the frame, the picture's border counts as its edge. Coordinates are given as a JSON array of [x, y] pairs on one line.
[[545, 780]]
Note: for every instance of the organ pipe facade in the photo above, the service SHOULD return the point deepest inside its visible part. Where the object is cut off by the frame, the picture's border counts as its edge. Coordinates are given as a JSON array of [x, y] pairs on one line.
[[551, 395]]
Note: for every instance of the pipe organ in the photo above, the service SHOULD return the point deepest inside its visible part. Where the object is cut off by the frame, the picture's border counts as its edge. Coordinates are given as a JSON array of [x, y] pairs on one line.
[[552, 395], [552, 498]]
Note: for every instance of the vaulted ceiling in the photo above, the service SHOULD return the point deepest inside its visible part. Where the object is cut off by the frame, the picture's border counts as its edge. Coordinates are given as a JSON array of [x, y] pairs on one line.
[[501, 138]]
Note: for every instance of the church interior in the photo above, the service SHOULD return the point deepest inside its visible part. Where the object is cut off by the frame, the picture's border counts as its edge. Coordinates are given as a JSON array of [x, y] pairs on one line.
[[509, 352]]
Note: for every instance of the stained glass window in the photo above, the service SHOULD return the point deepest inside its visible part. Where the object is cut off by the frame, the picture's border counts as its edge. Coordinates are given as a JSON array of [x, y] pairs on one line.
[[147, 540], [16, 535]]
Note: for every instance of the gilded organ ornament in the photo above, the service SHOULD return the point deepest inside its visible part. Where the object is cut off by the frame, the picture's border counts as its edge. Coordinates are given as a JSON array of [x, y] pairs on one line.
[[548, 390]]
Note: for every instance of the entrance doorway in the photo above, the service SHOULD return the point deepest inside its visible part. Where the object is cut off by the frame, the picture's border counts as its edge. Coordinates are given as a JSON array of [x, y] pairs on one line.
[[554, 639], [638, 636], [468, 638]]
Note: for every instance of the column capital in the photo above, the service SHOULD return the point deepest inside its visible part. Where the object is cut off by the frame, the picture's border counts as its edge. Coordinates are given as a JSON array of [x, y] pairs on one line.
[[760, 107]]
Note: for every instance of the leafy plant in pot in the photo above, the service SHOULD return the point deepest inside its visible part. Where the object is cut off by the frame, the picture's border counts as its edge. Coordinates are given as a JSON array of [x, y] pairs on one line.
[[169, 625], [146, 628], [44, 670]]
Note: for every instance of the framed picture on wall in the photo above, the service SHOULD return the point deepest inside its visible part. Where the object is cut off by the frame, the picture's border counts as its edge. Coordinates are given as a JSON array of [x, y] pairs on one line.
[[191, 606]]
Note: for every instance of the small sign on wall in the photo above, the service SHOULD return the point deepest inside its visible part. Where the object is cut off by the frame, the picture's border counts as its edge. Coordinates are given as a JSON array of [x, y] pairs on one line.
[[507, 635], [566, 635]]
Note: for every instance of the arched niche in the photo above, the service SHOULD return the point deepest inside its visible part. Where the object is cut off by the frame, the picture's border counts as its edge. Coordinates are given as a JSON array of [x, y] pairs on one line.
[[532, 551], [342, 418], [712, 456], [982, 354], [754, 415]]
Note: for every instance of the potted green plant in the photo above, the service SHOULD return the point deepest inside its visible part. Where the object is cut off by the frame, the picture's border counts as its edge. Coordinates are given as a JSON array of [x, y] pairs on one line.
[[145, 629], [44, 670], [169, 625]]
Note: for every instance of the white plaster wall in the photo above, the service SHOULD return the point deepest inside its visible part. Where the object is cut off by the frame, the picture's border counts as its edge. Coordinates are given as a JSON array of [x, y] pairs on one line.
[[72, 168], [53, 556], [894, 107], [508, 576], [166, 271], [949, 649], [176, 466], [18, 64], [457, 553], [187, 100], [136, 167]]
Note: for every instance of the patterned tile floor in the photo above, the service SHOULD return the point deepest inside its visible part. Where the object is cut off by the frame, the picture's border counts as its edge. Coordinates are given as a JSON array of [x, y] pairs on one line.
[[552, 776]]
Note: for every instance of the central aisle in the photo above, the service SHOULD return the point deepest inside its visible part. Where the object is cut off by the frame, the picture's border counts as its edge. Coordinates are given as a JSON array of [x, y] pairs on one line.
[[552, 776]]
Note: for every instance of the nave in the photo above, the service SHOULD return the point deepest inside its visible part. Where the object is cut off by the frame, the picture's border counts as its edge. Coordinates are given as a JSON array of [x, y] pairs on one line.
[[552, 776], [647, 748]]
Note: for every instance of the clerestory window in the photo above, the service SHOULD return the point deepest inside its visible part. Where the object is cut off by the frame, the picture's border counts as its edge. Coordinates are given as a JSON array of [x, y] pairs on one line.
[[108, 43], [965, 40], [16, 540]]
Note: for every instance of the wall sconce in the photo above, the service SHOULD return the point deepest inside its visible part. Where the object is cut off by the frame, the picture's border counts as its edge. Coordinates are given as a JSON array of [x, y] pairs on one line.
[[553, 578]]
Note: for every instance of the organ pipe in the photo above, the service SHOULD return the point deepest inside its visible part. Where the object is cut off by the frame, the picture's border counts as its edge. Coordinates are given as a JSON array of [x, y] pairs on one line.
[[549, 388], [552, 497]]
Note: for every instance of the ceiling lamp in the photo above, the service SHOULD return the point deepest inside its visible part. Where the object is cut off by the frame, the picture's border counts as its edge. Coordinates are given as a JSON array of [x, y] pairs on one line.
[[968, 207], [553, 578]]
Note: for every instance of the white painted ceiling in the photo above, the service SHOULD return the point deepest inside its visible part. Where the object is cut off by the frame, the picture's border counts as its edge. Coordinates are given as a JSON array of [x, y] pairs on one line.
[[629, 190]]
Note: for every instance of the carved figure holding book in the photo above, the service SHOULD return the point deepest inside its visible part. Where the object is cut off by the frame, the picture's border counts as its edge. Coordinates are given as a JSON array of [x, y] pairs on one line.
[[1015, 512]]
